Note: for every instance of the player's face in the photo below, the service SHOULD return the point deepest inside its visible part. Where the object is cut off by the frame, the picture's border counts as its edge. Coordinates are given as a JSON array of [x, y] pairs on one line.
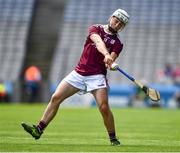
[[116, 24]]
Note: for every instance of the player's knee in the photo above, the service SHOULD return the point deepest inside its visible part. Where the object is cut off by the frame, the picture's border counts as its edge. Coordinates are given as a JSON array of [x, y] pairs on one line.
[[104, 108], [55, 98]]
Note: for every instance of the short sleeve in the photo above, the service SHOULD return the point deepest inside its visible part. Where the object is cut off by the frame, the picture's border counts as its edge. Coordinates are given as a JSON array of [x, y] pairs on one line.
[[117, 48], [93, 29]]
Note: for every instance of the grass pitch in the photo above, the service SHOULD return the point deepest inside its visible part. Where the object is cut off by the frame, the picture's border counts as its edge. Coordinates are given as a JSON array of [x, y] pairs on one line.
[[82, 130]]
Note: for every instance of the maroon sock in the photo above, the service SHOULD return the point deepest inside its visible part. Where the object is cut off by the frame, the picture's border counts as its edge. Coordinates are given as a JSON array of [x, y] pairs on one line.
[[41, 126], [112, 135]]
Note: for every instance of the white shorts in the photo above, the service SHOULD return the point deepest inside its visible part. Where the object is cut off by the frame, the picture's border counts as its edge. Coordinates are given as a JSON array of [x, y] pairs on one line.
[[86, 83]]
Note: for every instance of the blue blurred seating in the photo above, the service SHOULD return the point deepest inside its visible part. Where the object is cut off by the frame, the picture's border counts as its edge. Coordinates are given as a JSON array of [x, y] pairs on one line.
[[15, 21], [150, 40]]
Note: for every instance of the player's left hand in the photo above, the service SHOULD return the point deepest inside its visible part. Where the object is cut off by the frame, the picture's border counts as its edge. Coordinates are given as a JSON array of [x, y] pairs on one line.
[[108, 59]]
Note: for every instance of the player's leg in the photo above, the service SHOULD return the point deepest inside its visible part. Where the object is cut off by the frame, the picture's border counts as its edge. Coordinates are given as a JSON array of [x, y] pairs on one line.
[[63, 91], [101, 96]]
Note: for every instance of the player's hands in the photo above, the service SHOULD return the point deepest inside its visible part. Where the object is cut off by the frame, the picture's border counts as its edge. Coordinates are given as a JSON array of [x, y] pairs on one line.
[[108, 60], [113, 66]]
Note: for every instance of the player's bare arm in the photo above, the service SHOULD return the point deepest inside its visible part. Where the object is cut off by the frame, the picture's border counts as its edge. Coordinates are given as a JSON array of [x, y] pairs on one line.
[[101, 47], [114, 57]]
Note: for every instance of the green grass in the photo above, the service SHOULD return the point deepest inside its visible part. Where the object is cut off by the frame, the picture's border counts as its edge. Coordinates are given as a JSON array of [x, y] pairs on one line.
[[82, 130]]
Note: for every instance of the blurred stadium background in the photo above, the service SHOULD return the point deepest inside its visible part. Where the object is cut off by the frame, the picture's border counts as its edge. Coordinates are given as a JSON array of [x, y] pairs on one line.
[[50, 35]]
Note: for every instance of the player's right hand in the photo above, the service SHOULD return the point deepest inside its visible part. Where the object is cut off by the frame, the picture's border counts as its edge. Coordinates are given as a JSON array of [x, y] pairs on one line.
[[108, 60]]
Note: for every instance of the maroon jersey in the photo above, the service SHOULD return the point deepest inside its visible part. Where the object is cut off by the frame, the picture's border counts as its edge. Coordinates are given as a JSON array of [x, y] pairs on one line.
[[91, 61]]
